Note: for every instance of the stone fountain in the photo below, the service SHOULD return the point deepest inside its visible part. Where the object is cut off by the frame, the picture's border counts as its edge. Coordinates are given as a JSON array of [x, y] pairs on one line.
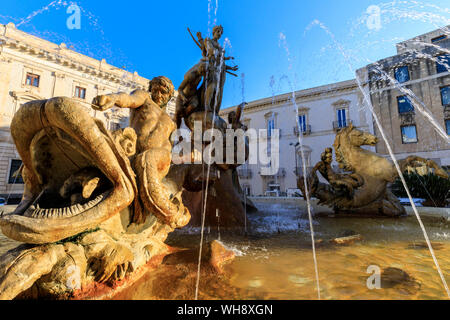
[[362, 187], [98, 204]]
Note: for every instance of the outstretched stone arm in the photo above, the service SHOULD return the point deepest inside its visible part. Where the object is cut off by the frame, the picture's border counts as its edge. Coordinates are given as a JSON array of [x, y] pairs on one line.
[[122, 100]]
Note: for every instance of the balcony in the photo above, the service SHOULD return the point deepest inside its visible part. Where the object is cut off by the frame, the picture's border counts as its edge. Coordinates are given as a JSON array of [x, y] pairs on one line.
[[245, 173], [281, 173], [337, 125], [306, 131]]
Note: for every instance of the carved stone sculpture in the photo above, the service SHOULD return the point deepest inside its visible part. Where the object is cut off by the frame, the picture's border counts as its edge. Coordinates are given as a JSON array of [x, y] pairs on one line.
[[199, 100], [200, 92], [363, 188], [97, 204]]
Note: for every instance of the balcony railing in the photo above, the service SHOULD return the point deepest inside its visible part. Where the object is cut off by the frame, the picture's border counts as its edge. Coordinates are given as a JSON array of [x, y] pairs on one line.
[[341, 124], [245, 173], [306, 130], [281, 173]]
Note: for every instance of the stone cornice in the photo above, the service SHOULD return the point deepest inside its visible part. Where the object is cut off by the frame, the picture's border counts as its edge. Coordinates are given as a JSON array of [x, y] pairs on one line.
[[20, 41], [301, 97]]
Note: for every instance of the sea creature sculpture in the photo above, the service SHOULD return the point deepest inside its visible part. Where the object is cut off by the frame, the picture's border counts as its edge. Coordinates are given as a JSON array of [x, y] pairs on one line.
[[97, 204], [363, 187]]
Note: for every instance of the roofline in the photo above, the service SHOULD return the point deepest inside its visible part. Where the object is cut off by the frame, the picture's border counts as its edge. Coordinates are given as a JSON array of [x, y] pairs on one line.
[[299, 94]]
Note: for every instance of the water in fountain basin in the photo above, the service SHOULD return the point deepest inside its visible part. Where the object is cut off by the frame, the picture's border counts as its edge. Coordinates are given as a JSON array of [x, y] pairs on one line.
[[269, 265]]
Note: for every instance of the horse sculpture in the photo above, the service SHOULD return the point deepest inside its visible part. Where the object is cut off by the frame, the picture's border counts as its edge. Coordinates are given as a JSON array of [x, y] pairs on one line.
[[363, 189]]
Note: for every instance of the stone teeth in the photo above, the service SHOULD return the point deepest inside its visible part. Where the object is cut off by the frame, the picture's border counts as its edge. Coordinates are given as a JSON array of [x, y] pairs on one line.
[[75, 209], [38, 212]]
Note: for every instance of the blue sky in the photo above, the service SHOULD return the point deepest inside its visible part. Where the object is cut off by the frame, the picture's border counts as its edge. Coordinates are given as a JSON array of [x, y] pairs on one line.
[[271, 40]]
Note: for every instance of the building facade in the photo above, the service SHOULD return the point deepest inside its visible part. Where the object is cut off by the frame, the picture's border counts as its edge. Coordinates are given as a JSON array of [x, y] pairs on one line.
[[400, 86], [321, 112], [32, 68]]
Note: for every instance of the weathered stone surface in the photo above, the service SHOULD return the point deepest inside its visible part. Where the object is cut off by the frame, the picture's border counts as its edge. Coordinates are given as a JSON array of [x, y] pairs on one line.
[[220, 255], [97, 204], [214, 255], [82, 206], [398, 278], [347, 240], [364, 190], [424, 245]]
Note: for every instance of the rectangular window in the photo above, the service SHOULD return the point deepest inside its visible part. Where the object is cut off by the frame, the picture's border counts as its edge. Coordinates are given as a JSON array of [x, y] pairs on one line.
[[14, 176], [402, 74], [447, 126], [404, 104], [409, 134], [302, 122], [80, 92], [443, 63], [342, 118], [440, 38], [445, 96], [270, 126], [32, 80]]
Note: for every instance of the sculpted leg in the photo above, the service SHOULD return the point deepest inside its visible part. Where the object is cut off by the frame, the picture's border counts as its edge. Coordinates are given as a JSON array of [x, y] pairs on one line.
[[151, 167]]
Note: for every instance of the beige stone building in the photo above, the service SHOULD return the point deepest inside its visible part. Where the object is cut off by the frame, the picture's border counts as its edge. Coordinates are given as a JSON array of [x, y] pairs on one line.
[[321, 112], [421, 66], [33, 68]]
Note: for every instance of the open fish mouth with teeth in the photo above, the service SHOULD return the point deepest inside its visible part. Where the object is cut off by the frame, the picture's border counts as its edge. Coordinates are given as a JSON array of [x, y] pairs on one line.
[[75, 175], [79, 193]]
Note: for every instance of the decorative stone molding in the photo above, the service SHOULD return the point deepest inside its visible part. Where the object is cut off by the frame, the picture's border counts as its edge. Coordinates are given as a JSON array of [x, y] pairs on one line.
[[61, 54], [303, 110], [25, 95], [270, 114], [341, 103], [59, 75]]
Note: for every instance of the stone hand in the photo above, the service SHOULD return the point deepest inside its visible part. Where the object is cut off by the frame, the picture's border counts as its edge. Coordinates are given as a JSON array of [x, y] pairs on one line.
[[103, 102]]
